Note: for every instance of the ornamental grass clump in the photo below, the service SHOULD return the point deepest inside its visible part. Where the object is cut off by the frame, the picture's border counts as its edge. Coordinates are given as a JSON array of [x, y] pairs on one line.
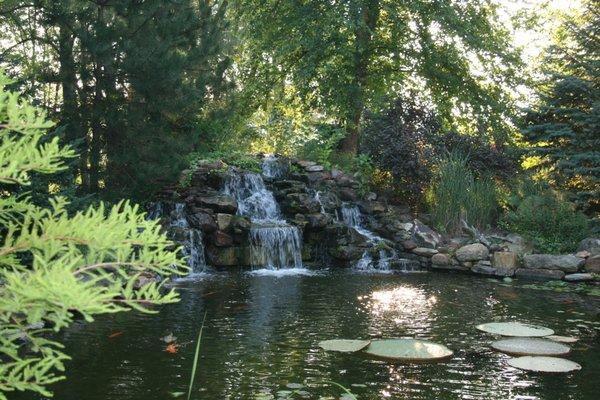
[[456, 195], [54, 267]]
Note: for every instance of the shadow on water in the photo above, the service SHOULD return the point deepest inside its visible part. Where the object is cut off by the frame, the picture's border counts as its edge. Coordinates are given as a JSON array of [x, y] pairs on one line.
[[262, 333]]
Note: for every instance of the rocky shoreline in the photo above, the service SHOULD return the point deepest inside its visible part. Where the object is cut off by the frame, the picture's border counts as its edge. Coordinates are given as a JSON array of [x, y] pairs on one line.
[[313, 199]]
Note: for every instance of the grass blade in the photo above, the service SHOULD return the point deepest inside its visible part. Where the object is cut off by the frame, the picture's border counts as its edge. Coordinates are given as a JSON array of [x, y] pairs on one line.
[[196, 357]]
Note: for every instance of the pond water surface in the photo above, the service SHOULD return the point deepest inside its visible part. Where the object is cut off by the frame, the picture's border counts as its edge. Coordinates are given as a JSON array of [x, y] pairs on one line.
[[262, 333]]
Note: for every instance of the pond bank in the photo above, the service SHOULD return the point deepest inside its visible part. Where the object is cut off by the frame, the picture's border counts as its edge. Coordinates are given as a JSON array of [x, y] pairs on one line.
[[337, 225]]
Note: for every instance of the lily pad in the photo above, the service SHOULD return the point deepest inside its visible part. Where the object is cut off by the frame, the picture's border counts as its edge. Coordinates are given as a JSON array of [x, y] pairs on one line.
[[562, 339], [531, 347], [408, 350], [515, 329], [544, 364], [344, 345]]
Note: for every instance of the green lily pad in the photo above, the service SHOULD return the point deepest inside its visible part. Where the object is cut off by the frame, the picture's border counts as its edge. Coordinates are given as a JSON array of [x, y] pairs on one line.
[[344, 345], [408, 350], [531, 347], [562, 339], [544, 364], [515, 329]]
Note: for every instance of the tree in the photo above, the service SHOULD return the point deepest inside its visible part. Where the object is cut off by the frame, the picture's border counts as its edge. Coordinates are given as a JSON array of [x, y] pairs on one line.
[[54, 268], [564, 128], [128, 80], [345, 57]]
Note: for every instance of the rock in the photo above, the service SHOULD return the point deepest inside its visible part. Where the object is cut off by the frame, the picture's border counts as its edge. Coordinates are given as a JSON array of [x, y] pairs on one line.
[[301, 203], [306, 163], [222, 239], [592, 245], [536, 273], [240, 224], [583, 254], [371, 196], [346, 253], [426, 237], [409, 245], [314, 168], [314, 177], [483, 269], [224, 221], [440, 259], [579, 277], [222, 256], [592, 264], [505, 260], [317, 221], [472, 252], [218, 203], [566, 263], [424, 251], [200, 219], [347, 194], [372, 207]]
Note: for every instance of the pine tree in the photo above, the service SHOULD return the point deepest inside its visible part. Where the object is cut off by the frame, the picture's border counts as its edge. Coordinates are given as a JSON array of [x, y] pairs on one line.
[[54, 267], [564, 130]]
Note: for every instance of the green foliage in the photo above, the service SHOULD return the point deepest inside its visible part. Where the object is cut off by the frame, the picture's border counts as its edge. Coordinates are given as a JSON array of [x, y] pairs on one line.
[[233, 158], [564, 128], [344, 58], [456, 194], [129, 82], [549, 222], [54, 268], [322, 148], [360, 166]]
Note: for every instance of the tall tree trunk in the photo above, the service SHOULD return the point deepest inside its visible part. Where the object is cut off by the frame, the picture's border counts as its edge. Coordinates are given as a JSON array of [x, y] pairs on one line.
[[367, 18]]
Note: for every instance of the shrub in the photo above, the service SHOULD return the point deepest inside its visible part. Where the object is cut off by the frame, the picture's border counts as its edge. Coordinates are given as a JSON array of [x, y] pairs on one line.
[[54, 268], [482, 157], [456, 194], [322, 148], [397, 142], [234, 158], [543, 217]]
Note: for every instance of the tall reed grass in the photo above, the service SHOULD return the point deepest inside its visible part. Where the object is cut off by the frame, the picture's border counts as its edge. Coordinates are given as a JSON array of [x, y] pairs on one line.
[[457, 194]]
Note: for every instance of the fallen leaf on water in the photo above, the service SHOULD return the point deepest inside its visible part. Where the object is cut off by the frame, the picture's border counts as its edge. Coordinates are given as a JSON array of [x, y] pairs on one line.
[[115, 334], [171, 348]]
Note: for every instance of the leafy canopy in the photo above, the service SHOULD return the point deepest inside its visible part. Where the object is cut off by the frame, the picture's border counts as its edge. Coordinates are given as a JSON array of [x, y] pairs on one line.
[[54, 267]]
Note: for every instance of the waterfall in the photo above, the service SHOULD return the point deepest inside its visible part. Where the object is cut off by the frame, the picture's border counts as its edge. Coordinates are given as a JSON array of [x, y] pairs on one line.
[[272, 167], [352, 217], [193, 243], [274, 243]]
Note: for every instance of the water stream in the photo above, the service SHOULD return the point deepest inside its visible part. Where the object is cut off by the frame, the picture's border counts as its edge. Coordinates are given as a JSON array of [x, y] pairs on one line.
[[275, 244], [352, 217], [192, 240]]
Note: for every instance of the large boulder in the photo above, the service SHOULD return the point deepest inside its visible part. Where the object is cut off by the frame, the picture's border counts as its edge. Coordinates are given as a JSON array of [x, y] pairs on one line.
[[564, 262], [542, 274], [202, 219], [591, 245], [218, 202], [592, 264], [505, 260], [424, 251], [472, 252], [440, 259], [425, 236]]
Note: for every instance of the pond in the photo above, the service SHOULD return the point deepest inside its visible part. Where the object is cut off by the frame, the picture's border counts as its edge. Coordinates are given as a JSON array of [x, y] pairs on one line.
[[262, 333]]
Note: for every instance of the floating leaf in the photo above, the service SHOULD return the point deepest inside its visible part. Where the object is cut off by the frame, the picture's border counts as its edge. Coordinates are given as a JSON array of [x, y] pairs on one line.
[[344, 345], [408, 350], [515, 329], [562, 339], [544, 364], [531, 347]]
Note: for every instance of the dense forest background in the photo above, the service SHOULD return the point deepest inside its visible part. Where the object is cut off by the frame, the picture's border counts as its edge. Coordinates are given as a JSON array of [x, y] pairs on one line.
[[382, 88]]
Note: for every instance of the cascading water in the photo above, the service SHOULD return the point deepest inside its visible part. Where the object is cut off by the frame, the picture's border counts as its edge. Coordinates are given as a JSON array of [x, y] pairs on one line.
[[193, 244], [352, 217], [272, 167], [275, 244]]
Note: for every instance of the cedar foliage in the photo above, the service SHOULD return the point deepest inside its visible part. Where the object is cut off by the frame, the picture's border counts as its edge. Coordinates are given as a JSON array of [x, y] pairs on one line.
[[54, 267], [564, 130]]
